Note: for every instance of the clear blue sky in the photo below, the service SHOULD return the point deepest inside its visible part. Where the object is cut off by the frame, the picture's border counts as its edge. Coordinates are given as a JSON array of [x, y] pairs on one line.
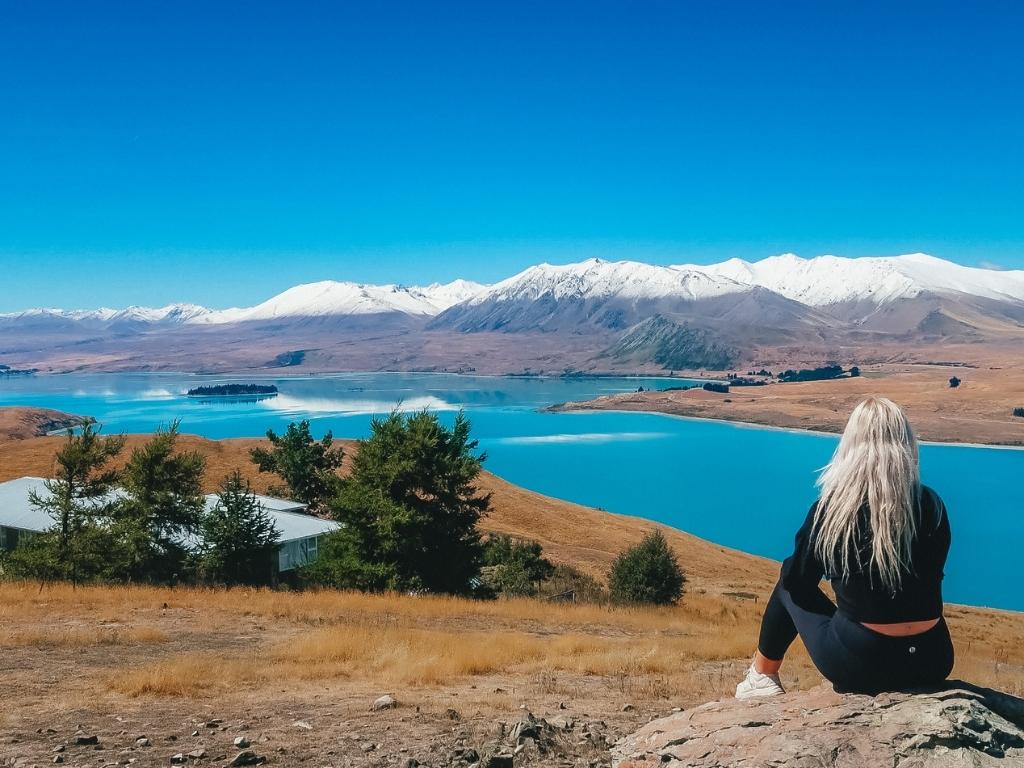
[[219, 152]]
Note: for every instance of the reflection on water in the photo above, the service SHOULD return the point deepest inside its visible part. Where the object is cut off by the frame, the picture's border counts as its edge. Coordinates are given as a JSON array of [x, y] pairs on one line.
[[298, 404], [583, 437], [228, 399]]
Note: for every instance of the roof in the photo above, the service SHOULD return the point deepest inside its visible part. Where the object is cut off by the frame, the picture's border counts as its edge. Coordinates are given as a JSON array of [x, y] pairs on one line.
[[290, 519], [15, 509]]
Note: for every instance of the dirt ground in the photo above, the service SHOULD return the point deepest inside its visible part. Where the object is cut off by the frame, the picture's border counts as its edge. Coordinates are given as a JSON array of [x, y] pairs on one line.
[[980, 410]]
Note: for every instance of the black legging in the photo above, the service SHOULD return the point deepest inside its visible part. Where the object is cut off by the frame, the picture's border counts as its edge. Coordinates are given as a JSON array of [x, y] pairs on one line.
[[851, 656]]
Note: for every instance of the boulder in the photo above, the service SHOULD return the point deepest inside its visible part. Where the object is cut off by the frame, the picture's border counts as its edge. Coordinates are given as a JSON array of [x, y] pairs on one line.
[[960, 725]]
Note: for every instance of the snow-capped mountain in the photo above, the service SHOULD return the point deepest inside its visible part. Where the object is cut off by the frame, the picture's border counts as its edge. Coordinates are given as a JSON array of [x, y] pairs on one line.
[[592, 315], [171, 314], [596, 293], [596, 279], [829, 280], [897, 294], [327, 298]]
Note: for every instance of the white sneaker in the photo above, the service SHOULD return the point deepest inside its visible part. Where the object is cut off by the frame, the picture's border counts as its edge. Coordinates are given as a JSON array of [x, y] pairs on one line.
[[755, 684]]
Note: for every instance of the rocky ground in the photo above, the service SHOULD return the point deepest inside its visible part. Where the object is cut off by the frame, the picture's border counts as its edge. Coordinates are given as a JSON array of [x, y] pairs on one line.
[[962, 725], [380, 732]]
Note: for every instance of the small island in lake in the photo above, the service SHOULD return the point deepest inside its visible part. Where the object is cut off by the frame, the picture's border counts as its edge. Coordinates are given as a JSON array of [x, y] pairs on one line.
[[234, 390]]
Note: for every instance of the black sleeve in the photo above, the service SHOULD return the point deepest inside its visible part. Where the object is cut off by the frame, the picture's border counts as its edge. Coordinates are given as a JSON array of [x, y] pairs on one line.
[[802, 571], [937, 535]]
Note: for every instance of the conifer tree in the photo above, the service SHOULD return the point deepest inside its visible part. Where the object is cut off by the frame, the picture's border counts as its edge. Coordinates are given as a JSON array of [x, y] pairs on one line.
[[307, 466], [239, 538], [409, 510]]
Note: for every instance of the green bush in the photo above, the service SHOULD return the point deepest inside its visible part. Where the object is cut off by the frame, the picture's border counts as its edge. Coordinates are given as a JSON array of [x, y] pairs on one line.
[[954, 382], [569, 584], [647, 573], [514, 568], [1018, 412]]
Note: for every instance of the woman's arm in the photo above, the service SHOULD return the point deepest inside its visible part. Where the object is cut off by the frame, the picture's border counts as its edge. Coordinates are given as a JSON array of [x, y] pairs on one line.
[[802, 571]]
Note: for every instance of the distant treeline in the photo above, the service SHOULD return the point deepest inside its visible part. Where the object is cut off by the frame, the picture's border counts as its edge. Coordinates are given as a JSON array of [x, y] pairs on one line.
[[218, 390], [6, 370], [823, 373]]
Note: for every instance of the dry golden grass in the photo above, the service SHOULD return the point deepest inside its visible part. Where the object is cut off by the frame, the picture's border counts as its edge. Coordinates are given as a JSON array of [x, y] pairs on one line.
[[81, 637], [429, 641]]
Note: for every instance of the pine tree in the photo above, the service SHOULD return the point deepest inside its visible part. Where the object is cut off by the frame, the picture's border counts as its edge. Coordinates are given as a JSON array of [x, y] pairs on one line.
[[307, 466], [647, 573], [239, 538], [161, 507], [409, 510], [78, 498]]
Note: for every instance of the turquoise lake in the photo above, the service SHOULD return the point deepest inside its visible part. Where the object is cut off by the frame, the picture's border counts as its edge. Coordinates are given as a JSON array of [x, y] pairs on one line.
[[743, 487]]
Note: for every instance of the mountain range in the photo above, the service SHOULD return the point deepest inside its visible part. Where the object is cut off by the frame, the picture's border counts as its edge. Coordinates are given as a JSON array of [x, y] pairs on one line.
[[613, 315]]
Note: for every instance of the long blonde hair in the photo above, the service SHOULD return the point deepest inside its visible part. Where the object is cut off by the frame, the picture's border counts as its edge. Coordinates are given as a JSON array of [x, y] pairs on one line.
[[875, 463]]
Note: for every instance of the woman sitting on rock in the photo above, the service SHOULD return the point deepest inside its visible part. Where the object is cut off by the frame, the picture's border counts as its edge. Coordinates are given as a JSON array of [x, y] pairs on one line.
[[881, 538]]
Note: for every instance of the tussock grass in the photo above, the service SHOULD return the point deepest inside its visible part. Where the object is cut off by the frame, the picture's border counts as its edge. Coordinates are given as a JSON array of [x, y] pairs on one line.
[[81, 637], [251, 638], [419, 657]]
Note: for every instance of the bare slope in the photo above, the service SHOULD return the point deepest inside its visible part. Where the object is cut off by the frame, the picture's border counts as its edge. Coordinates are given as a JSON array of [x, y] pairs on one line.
[[19, 423]]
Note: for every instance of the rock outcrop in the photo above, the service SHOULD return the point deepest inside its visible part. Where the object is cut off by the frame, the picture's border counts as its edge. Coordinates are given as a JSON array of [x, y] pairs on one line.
[[961, 725]]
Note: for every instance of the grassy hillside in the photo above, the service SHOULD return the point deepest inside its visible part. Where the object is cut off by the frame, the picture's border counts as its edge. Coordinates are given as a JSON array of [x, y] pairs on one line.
[[582, 536]]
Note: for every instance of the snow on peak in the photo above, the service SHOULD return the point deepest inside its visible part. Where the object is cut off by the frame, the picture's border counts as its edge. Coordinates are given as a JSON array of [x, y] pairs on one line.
[[329, 298], [444, 295], [827, 280], [595, 278]]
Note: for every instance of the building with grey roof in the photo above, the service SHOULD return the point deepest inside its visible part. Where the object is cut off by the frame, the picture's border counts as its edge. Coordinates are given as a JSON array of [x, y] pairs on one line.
[[300, 532]]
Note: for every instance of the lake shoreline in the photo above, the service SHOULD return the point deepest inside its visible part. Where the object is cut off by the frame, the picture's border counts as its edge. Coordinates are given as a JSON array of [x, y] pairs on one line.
[[977, 413], [568, 408]]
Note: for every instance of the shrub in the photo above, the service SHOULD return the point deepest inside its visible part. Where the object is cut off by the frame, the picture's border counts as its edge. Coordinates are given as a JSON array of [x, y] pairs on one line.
[[647, 573], [954, 382], [514, 567], [1018, 412], [568, 584], [854, 372]]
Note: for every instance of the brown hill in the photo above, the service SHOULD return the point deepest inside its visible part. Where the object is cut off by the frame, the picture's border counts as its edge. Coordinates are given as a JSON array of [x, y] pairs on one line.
[[19, 423]]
